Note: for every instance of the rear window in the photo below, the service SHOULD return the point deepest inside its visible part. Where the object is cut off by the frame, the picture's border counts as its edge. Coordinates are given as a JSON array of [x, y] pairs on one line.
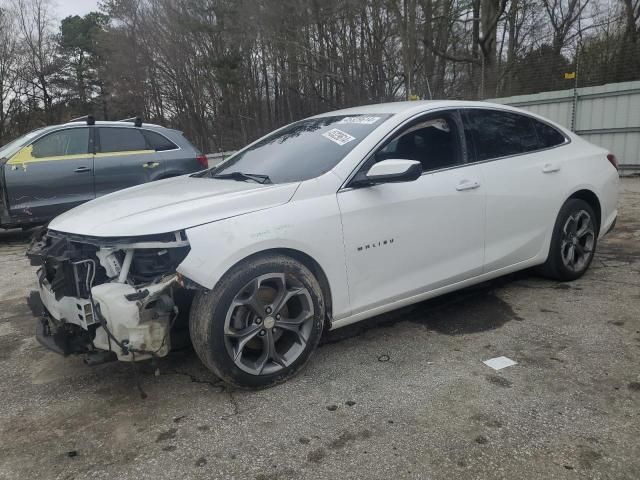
[[158, 142], [303, 150], [121, 140], [548, 136], [500, 134]]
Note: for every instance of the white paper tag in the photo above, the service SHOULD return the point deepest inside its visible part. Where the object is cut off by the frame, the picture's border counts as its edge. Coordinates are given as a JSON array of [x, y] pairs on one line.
[[338, 136], [363, 120], [499, 363]]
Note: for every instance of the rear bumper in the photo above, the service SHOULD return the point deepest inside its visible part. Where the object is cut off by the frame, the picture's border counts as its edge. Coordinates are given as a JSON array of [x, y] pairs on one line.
[[609, 224], [612, 226]]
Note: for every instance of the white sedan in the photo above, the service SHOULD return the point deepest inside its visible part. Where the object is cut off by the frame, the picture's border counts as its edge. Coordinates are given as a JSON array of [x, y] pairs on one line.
[[320, 224]]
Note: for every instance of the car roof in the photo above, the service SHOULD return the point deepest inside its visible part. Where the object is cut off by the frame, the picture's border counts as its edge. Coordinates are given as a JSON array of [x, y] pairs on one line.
[[407, 106]]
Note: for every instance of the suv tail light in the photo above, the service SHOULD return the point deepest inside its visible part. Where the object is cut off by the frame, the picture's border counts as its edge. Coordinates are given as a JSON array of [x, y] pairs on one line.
[[612, 159], [203, 161]]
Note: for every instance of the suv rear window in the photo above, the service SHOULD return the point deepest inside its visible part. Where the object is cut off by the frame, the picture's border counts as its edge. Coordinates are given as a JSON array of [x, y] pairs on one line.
[[158, 142], [121, 140]]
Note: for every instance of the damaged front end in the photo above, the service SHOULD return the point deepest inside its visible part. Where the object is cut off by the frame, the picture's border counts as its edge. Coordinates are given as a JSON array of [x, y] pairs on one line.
[[110, 298]]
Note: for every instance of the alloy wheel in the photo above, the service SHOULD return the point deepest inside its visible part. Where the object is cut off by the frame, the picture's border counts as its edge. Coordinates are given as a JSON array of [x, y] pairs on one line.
[[268, 323], [578, 240]]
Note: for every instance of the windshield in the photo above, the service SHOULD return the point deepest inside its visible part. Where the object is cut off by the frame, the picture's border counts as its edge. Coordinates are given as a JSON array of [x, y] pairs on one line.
[[302, 150], [12, 147]]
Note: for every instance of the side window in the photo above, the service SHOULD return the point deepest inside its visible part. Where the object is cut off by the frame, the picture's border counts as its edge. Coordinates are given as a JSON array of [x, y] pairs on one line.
[[121, 140], [158, 142], [547, 135], [74, 141], [433, 141], [499, 134]]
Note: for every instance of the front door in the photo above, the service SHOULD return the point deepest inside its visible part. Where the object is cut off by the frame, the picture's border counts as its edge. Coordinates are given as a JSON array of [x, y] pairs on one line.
[[50, 176], [404, 239], [123, 159]]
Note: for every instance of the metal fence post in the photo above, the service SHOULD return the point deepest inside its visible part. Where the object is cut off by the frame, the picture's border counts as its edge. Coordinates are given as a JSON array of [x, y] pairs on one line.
[[574, 110]]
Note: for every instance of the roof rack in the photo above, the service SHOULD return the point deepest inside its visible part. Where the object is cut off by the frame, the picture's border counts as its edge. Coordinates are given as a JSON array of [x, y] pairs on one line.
[[89, 118], [137, 121]]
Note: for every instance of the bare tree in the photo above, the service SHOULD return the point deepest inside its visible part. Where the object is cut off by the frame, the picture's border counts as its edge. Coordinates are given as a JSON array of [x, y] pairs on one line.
[[632, 16], [34, 18], [9, 79], [227, 71], [564, 16]]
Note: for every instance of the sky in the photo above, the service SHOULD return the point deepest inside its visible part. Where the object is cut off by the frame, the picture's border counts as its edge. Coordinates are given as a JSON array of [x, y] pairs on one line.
[[64, 8]]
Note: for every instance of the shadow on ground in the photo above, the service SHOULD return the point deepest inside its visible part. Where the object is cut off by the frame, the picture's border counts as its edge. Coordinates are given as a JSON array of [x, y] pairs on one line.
[[472, 310]]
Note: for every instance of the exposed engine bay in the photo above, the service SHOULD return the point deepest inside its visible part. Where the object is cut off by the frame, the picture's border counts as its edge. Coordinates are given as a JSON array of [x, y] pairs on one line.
[[111, 298]]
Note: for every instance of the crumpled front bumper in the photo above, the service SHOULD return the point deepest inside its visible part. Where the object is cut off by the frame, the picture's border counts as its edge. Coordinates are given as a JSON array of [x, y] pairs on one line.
[[133, 324]]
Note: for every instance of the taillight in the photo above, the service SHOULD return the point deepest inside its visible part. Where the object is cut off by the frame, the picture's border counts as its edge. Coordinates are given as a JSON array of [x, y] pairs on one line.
[[203, 161], [612, 159]]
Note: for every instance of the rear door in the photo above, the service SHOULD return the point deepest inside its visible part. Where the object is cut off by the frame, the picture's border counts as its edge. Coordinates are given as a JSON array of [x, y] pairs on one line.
[[523, 179], [123, 159], [170, 156], [50, 175]]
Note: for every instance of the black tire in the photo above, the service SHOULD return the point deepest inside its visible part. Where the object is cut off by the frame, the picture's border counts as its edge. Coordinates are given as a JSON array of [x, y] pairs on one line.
[[210, 312], [556, 267]]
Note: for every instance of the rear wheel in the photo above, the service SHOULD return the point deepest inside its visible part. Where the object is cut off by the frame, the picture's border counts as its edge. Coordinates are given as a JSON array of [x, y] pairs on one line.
[[573, 243], [261, 323]]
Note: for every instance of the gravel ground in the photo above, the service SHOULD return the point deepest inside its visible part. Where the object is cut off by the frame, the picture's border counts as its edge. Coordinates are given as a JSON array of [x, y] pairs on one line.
[[405, 395]]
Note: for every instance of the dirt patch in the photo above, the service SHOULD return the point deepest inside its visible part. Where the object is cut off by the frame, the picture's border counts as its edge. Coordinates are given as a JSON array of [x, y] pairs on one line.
[[499, 381], [168, 435], [317, 455], [634, 386], [587, 457], [9, 344], [347, 437]]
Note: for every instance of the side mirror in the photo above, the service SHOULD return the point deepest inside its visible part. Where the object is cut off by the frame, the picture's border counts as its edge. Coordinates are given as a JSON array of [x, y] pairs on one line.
[[390, 171]]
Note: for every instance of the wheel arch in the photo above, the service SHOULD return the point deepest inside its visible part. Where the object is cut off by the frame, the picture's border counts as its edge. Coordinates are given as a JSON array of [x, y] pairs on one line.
[[592, 199], [584, 193], [309, 262]]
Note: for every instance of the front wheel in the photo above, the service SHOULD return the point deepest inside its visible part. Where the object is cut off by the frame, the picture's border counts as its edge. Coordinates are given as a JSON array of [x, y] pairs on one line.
[[261, 323], [573, 243]]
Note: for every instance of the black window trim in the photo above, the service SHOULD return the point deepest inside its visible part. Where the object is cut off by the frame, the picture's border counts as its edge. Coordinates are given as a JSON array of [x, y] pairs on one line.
[[456, 111], [463, 111], [97, 145]]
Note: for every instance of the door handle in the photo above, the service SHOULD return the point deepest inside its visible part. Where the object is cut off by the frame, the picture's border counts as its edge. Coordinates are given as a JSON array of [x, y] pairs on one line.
[[151, 164], [82, 170], [467, 185], [550, 168]]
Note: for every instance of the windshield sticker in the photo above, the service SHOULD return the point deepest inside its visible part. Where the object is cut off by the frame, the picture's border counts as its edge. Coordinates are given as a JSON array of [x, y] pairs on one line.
[[338, 136], [362, 120]]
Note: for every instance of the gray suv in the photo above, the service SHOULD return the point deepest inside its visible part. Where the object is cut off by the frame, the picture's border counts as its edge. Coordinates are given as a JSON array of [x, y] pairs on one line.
[[53, 169]]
